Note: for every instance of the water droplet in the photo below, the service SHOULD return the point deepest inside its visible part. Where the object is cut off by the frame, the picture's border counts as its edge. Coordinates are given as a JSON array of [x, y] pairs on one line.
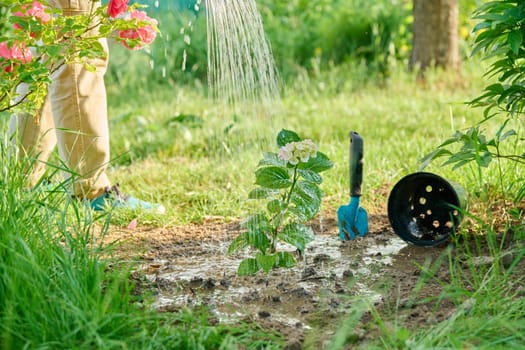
[[184, 57]]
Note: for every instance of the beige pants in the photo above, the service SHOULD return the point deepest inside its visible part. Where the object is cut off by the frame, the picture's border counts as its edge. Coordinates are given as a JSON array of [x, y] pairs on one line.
[[74, 117]]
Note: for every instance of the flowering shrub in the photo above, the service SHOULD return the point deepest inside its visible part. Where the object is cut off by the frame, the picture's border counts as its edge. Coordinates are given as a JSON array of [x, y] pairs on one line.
[[289, 180], [10, 57], [117, 7], [42, 39], [35, 10], [143, 34]]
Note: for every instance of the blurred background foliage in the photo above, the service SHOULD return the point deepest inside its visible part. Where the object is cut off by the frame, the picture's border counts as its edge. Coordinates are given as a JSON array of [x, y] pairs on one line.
[[306, 36]]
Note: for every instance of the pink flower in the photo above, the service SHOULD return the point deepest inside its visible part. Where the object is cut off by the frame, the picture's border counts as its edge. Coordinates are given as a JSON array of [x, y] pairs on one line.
[[36, 11], [11, 56], [20, 52], [145, 33], [117, 7], [4, 51]]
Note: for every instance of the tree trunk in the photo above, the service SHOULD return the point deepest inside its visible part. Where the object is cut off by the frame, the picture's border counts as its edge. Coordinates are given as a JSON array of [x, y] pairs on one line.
[[435, 31]]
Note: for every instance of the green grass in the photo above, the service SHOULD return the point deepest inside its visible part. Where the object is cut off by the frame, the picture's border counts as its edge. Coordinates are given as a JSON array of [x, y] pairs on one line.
[[173, 145], [59, 289], [488, 298], [203, 164]]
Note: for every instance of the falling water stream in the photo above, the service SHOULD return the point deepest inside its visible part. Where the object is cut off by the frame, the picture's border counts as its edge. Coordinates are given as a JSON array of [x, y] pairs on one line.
[[240, 61]]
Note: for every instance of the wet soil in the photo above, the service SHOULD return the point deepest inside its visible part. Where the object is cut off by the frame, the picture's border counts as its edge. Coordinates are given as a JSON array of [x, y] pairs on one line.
[[188, 267]]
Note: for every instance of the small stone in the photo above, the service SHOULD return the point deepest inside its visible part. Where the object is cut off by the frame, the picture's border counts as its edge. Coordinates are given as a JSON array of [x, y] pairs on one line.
[[321, 258], [308, 272], [209, 284], [251, 296], [264, 314], [225, 283], [334, 302], [300, 292], [282, 286], [276, 298], [338, 288], [348, 273], [196, 282]]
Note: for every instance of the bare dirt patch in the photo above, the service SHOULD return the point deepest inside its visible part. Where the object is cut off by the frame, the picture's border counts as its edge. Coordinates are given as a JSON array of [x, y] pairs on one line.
[[188, 267]]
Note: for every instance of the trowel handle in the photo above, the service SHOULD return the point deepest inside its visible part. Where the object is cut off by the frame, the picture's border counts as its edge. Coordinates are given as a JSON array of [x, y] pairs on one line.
[[356, 163]]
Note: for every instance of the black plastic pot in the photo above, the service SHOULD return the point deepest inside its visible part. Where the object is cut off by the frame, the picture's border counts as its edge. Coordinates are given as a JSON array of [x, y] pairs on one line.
[[424, 209]]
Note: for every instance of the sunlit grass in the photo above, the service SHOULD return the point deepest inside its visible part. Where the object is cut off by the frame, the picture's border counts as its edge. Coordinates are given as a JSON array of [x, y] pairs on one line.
[[59, 288], [197, 156]]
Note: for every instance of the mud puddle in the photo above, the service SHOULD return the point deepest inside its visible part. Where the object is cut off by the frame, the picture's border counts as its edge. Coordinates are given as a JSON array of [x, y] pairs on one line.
[[188, 267]]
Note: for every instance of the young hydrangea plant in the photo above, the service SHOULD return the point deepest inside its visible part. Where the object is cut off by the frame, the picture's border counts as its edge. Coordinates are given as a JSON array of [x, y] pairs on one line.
[[289, 181]]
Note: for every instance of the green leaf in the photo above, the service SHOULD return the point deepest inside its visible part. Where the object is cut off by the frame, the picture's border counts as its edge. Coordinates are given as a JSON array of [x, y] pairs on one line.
[[270, 158], [261, 193], [310, 175], [266, 262], [257, 222], [485, 159], [515, 39], [285, 259], [274, 206], [427, 159], [257, 227], [248, 266], [190, 120], [480, 26], [53, 50], [287, 136], [318, 164], [507, 134], [297, 235], [273, 177], [89, 67], [256, 239], [307, 198]]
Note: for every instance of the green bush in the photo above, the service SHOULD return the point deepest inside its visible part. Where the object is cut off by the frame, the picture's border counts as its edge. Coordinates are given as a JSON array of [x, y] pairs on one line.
[[499, 36], [376, 32], [305, 36]]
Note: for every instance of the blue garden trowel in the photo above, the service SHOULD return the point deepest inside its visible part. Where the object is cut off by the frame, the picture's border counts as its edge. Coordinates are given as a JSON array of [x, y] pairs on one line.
[[352, 219]]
